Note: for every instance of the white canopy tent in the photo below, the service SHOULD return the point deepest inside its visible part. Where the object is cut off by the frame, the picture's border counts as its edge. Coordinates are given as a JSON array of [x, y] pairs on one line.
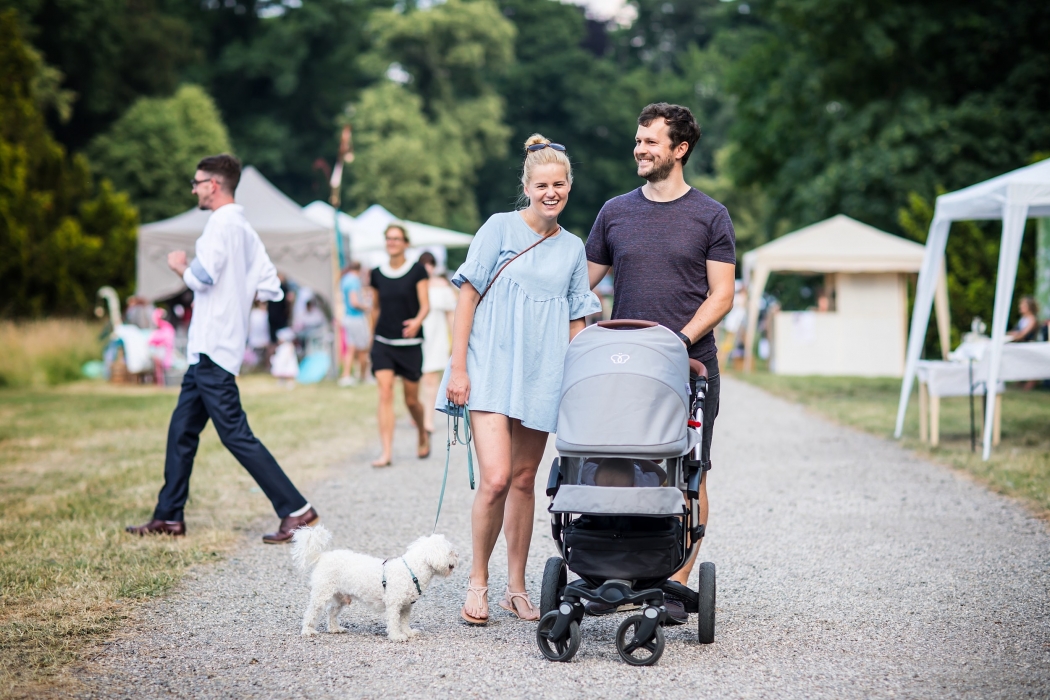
[[839, 245], [1011, 198], [366, 231], [298, 247]]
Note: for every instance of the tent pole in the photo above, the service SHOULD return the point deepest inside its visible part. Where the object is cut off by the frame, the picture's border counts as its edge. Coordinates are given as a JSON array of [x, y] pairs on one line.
[[932, 261], [1014, 216]]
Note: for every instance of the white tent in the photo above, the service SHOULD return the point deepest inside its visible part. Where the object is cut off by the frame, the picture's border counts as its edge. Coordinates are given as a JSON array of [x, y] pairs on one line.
[[868, 265], [366, 232], [299, 248], [1012, 198]]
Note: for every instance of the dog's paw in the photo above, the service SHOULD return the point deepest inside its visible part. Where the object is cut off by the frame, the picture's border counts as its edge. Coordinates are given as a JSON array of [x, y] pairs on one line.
[[397, 637], [336, 630], [309, 632], [413, 632]]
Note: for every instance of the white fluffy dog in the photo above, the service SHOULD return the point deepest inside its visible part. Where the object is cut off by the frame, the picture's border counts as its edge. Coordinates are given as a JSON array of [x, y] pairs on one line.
[[341, 576]]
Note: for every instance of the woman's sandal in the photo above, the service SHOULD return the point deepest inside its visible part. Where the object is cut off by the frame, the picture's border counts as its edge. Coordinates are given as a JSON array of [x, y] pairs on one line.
[[481, 593], [508, 604]]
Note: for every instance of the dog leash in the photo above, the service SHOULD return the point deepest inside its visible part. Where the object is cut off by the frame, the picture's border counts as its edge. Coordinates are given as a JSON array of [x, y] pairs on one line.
[[410, 573], [452, 438]]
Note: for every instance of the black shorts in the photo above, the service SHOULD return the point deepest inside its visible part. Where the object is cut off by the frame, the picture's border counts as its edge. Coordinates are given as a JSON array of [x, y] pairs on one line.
[[710, 411], [405, 360]]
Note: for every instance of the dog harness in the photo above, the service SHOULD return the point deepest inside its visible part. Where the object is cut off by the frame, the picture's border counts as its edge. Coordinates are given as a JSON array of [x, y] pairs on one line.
[[410, 573]]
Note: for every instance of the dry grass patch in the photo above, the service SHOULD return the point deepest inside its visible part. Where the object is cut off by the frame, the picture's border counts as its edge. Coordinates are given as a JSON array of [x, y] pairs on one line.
[[1019, 467], [48, 352], [80, 462]]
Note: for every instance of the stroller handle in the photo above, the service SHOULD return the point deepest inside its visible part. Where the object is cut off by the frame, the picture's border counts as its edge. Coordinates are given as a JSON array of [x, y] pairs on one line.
[[697, 368], [624, 324]]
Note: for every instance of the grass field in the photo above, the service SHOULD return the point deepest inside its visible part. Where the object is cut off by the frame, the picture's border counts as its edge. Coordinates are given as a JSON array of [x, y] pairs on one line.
[[1019, 467], [47, 352], [81, 461]]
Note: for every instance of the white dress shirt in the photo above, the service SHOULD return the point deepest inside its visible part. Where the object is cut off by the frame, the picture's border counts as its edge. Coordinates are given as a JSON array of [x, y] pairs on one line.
[[231, 269]]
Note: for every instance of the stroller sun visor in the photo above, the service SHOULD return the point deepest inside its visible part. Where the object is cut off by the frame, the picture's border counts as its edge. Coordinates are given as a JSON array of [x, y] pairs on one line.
[[625, 392], [612, 500]]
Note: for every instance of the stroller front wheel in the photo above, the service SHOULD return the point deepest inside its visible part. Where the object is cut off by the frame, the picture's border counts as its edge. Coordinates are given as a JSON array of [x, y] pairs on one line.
[[638, 653], [561, 650]]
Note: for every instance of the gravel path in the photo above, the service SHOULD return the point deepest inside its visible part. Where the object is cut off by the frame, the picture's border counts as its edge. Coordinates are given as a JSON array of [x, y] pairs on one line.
[[847, 567]]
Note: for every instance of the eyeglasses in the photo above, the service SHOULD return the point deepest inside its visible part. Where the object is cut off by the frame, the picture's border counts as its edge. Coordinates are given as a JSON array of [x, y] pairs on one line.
[[194, 183], [540, 146], [399, 239]]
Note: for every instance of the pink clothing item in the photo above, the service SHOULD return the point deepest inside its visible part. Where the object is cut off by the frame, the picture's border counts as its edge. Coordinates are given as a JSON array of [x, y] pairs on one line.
[[163, 337]]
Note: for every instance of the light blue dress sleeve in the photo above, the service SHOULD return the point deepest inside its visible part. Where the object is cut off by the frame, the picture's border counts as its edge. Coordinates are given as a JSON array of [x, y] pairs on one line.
[[482, 256], [582, 301]]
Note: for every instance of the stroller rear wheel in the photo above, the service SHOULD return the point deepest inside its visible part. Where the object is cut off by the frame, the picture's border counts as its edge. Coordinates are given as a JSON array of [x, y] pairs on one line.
[[562, 650], [639, 654], [706, 604], [555, 576]]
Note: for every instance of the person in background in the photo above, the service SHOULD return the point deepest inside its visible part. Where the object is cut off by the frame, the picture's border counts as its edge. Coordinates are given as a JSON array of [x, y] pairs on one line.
[[357, 332], [231, 269], [1027, 328], [278, 309], [436, 328], [402, 301], [139, 313], [284, 364]]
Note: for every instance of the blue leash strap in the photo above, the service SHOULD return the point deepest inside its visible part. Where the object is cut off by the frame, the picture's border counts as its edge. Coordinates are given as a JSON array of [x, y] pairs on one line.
[[453, 437]]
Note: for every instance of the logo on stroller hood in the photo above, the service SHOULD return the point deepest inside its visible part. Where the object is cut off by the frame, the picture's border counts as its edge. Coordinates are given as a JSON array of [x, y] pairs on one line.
[[619, 358]]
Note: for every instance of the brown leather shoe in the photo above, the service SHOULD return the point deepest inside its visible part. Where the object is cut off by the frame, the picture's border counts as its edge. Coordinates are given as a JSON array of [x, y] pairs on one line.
[[290, 524], [175, 528]]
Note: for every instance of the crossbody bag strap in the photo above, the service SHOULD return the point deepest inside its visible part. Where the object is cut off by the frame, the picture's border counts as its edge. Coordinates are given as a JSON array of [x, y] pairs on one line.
[[504, 266]]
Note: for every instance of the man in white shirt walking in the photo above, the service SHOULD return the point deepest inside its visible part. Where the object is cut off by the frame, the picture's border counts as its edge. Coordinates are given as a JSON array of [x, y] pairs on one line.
[[231, 269]]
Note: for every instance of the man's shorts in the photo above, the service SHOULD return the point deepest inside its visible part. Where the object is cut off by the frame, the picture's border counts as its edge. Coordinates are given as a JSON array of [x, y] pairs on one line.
[[356, 332], [405, 360], [710, 411]]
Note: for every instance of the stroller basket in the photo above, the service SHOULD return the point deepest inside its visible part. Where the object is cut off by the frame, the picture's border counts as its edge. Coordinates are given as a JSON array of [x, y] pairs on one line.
[[624, 547]]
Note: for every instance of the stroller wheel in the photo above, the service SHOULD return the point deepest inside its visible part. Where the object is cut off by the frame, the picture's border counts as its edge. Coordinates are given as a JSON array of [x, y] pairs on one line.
[[706, 604], [555, 576], [557, 651], [645, 654]]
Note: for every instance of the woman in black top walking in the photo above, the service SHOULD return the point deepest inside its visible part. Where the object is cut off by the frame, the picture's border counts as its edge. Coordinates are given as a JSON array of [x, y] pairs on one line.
[[401, 304]]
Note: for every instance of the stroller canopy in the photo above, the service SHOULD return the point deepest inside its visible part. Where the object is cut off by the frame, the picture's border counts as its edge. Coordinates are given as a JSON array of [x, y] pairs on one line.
[[625, 392]]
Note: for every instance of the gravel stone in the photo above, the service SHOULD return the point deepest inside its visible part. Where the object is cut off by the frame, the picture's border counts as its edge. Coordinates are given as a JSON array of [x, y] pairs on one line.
[[847, 567]]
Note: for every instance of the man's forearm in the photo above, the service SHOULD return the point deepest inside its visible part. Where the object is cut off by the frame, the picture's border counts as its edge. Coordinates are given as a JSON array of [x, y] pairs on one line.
[[709, 315]]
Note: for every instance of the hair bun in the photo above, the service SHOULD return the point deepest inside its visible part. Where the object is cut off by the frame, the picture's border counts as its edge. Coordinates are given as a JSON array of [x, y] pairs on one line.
[[535, 139]]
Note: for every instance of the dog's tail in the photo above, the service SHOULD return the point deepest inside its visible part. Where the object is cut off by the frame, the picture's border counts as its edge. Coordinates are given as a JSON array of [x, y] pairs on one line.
[[308, 543]]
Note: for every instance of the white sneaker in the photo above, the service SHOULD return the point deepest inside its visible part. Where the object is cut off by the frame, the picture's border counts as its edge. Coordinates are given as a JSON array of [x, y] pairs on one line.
[[347, 381]]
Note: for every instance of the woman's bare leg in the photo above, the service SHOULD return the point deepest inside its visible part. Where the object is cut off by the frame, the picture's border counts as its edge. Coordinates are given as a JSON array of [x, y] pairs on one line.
[[415, 409], [428, 388], [527, 446], [492, 442], [385, 380]]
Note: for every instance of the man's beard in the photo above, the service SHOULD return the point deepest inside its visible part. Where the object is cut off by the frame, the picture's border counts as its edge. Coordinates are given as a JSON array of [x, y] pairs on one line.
[[661, 169]]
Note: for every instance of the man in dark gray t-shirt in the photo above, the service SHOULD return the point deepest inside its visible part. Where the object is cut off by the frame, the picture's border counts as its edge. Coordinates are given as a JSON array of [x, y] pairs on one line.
[[673, 254]]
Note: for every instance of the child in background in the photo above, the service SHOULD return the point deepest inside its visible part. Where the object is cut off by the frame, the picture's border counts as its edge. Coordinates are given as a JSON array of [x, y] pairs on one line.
[[284, 364]]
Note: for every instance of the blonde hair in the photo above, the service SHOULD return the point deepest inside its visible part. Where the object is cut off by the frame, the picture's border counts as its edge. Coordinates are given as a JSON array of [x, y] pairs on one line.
[[544, 156]]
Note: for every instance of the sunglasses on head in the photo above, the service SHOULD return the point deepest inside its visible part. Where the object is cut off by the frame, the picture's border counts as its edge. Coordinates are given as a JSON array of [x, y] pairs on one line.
[[540, 146]]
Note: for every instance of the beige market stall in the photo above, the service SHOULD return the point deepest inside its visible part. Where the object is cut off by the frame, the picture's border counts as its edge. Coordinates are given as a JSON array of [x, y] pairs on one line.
[[865, 331], [299, 248]]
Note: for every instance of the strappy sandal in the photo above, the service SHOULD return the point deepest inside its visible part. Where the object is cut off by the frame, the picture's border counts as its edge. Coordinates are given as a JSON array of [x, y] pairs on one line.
[[481, 593], [508, 604]]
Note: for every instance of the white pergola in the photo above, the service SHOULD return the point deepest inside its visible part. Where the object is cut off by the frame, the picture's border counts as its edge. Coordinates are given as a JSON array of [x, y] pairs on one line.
[[1011, 198]]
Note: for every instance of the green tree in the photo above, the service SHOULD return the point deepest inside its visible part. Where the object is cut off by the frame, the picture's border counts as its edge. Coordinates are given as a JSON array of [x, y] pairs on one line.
[[61, 234], [153, 150], [111, 53], [847, 106], [436, 103]]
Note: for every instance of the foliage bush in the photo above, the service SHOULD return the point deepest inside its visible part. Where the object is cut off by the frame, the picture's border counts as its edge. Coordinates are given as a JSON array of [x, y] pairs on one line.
[[152, 151], [62, 235]]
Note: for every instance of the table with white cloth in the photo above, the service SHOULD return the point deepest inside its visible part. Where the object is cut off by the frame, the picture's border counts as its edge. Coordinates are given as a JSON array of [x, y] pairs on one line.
[[966, 374]]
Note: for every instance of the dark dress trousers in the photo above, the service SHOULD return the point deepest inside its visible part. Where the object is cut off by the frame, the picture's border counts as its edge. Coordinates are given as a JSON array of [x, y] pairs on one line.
[[209, 391]]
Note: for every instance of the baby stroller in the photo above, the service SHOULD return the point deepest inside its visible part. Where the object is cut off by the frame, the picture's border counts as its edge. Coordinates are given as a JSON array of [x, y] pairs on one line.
[[631, 413]]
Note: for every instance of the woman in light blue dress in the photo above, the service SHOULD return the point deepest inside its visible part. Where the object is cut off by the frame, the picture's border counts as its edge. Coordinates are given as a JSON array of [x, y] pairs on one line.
[[512, 328]]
